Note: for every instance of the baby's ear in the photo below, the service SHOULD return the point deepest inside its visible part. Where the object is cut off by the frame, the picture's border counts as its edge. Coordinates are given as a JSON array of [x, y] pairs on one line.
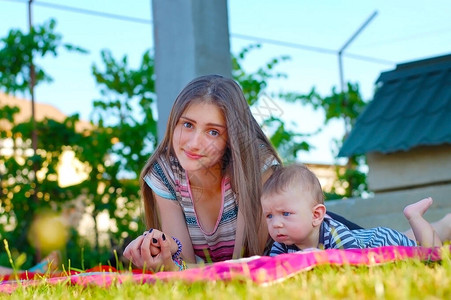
[[318, 212]]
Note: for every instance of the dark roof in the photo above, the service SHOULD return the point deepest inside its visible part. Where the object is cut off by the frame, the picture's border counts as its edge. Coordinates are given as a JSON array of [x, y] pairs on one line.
[[411, 107]]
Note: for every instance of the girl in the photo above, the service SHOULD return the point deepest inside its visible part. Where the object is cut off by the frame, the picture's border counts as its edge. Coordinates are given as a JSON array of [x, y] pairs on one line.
[[202, 185]]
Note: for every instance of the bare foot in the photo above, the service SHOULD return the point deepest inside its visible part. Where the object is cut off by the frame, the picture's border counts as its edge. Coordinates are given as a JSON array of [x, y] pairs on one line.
[[417, 209], [442, 227], [447, 219], [445, 227]]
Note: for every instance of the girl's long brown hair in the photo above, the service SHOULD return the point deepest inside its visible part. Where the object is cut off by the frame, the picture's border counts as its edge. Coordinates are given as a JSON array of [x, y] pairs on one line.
[[247, 150]]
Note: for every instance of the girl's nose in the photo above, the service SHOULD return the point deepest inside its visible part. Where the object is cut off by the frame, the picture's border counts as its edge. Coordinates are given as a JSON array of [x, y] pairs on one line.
[[195, 140]]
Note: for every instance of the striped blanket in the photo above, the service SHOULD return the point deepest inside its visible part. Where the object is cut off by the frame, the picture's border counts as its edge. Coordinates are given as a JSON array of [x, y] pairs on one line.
[[259, 269]]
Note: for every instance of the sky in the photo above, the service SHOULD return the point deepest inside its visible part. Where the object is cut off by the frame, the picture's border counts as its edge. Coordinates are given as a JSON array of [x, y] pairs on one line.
[[310, 32]]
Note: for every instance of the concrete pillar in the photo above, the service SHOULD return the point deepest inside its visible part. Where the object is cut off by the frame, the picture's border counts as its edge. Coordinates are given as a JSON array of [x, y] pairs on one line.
[[191, 38]]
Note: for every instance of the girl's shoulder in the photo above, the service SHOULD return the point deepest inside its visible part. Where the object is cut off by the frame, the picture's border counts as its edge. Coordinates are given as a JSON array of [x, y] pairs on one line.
[[167, 167], [169, 164]]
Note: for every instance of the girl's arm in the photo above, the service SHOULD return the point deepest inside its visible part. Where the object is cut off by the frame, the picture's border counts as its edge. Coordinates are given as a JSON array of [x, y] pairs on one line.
[[173, 225], [154, 249]]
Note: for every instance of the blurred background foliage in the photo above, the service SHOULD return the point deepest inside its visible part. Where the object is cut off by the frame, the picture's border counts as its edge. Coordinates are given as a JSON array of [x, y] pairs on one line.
[[101, 212]]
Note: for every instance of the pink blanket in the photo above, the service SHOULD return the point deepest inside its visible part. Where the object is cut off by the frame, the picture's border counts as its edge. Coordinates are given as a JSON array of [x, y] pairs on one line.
[[260, 269]]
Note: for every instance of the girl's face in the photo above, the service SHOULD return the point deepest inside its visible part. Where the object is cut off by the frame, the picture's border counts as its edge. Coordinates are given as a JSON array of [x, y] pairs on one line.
[[200, 137], [289, 216]]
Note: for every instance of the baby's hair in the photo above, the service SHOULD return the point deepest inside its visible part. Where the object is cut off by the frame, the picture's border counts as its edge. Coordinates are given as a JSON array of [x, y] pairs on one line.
[[284, 178]]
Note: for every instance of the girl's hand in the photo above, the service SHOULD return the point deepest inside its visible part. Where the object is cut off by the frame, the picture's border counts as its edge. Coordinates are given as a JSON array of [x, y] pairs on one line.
[[152, 251], [155, 248], [154, 245], [133, 251]]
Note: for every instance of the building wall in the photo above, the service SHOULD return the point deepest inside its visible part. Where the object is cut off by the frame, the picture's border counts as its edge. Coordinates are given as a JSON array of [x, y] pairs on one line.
[[421, 166], [397, 180], [386, 209], [327, 176]]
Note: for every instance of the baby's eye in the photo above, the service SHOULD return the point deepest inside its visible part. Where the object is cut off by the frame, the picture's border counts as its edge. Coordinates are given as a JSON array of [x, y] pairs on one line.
[[286, 214], [269, 216], [187, 125], [213, 132]]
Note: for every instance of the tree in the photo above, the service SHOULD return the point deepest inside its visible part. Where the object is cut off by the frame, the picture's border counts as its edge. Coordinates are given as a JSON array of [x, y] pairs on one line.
[[113, 151], [345, 106], [17, 181], [126, 110], [18, 49], [287, 142], [125, 120]]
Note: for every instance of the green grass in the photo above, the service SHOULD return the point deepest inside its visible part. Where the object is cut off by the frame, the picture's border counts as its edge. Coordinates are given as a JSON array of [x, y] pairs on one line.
[[409, 279]]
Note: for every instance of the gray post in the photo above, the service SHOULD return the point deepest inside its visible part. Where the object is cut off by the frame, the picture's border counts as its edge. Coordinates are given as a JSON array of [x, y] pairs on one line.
[[191, 38]]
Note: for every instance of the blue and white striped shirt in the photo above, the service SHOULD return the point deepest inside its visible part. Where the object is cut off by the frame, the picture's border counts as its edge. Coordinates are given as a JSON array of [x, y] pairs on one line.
[[335, 235]]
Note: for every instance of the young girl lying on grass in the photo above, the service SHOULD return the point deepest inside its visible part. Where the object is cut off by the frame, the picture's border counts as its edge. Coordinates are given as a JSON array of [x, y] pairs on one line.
[[293, 205]]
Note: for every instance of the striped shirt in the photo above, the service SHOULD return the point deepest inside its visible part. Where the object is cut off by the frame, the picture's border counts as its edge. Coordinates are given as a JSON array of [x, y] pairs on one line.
[[169, 180], [335, 235]]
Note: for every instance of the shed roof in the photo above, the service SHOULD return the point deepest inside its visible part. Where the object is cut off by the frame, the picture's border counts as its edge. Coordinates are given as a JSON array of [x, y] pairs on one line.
[[411, 107]]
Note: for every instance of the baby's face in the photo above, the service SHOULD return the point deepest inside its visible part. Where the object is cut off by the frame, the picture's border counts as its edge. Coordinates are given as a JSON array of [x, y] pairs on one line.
[[289, 216]]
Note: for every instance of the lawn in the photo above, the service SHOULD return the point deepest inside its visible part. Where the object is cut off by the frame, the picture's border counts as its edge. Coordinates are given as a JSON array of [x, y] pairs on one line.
[[404, 279]]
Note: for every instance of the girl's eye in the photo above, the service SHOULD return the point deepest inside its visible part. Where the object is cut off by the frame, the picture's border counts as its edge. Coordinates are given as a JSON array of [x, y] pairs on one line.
[[269, 216], [187, 125], [213, 132], [285, 214]]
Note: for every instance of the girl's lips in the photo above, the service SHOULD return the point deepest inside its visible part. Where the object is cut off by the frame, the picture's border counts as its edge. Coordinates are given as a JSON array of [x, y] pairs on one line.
[[192, 155]]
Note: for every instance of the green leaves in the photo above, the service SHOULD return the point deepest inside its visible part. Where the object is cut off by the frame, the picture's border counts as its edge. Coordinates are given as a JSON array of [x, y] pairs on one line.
[[344, 106], [19, 50], [125, 111], [287, 142], [253, 84]]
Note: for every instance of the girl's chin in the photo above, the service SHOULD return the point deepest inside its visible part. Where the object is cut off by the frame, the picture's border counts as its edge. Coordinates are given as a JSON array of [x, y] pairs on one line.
[[197, 165], [193, 166]]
